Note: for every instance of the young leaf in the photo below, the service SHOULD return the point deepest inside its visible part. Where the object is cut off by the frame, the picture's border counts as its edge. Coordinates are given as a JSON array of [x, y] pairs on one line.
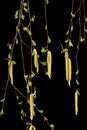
[[25, 4], [44, 63], [52, 126], [81, 39], [33, 18], [25, 28], [43, 49], [47, 2], [73, 15], [85, 30], [22, 17], [48, 40], [85, 19], [2, 100], [70, 43], [64, 50], [1, 112], [16, 14], [26, 10]]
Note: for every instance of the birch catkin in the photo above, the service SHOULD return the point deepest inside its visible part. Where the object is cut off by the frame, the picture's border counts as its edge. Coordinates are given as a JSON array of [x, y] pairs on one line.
[[49, 63], [36, 60], [66, 65], [69, 71], [32, 113], [68, 68], [10, 70], [76, 102]]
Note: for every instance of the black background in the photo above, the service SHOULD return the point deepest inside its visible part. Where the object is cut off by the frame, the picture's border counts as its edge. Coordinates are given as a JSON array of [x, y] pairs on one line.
[[53, 95]]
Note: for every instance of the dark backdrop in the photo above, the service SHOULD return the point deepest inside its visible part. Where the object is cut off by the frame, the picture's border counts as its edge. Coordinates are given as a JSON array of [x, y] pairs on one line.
[[53, 96]]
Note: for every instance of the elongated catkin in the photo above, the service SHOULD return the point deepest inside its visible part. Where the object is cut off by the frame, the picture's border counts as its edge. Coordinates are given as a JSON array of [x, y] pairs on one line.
[[32, 113], [76, 102], [68, 68], [69, 71], [36, 60], [49, 63], [10, 70]]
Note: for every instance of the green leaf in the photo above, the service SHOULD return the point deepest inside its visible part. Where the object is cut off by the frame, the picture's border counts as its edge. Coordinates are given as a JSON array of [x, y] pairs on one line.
[[30, 83], [25, 77], [73, 15], [28, 90], [33, 52], [1, 112], [45, 119], [48, 40], [33, 43], [44, 63], [9, 56], [71, 28], [81, 39], [16, 14], [9, 46], [64, 50], [85, 30], [33, 75], [45, 27], [43, 49], [17, 29], [33, 18], [17, 97], [2, 100], [85, 19], [28, 123], [13, 62], [52, 126], [16, 41], [20, 103], [67, 32], [22, 17], [29, 32], [25, 4], [26, 10], [77, 82], [70, 43], [77, 72], [41, 111], [25, 28], [66, 41], [47, 2]]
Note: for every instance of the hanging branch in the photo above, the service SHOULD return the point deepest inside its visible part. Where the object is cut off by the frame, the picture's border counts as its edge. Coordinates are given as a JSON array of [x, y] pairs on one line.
[[49, 54], [34, 58], [77, 17], [68, 44]]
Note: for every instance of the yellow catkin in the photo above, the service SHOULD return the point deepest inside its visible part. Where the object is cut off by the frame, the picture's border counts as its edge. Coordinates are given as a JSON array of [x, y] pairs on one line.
[[66, 65], [10, 70], [49, 63], [69, 71], [32, 127], [68, 68], [36, 60], [76, 102], [32, 113]]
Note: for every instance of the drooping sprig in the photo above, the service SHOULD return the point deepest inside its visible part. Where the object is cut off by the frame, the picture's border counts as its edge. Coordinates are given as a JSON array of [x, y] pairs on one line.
[[25, 26], [75, 35]]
